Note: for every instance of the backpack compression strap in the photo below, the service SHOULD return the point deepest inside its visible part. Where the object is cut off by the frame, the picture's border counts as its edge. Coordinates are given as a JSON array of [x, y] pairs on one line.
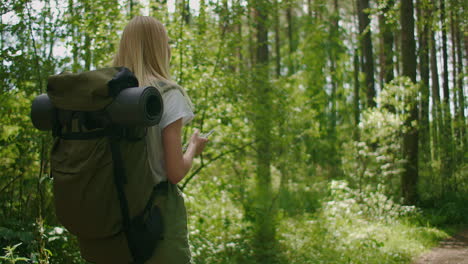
[[120, 181]]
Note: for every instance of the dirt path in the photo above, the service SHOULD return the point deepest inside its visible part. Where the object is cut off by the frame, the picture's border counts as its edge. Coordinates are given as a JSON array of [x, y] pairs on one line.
[[453, 250]]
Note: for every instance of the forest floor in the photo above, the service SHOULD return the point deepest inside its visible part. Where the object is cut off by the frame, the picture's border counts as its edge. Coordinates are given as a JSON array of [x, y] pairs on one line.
[[453, 250]]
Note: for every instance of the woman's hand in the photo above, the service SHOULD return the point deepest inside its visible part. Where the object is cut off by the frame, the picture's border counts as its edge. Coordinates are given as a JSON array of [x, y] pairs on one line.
[[178, 163], [197, 143]]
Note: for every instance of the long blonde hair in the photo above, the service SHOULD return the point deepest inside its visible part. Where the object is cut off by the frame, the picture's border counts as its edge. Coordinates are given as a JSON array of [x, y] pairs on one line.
[[144, 49]]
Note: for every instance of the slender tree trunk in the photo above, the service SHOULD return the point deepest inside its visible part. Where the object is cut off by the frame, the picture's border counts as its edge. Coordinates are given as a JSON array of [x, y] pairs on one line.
[[454, 59], [423, 37], [410, 138], [202, 18], [445, 83], [461, 96], [309, 8], [131, 8], [187, 15], [356, 95], [3, 87], [397, 53], [250, 12], [333, 56], [333, 60], [1, 35], [87, 55], [277, 40], [366, 49], [386, 46], [88, 7], [74, 36], [265, 223], [447, 146], [291, 39], [240, 57], [436, 107]]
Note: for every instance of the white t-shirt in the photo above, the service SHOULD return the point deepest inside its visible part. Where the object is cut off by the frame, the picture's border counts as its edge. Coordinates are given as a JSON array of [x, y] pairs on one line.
[[175, 107]]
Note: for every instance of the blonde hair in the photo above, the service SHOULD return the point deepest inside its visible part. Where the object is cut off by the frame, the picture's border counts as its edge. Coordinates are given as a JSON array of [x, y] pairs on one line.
[[144, 49]]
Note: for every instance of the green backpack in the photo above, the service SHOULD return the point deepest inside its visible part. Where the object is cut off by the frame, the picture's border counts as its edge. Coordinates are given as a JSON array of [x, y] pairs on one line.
[[103, 186]]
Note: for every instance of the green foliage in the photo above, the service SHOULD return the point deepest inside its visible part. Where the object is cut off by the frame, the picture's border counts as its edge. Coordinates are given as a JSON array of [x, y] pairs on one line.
[[10, 255], [308, 129], [356, 227], [217, 228], [376, 160]]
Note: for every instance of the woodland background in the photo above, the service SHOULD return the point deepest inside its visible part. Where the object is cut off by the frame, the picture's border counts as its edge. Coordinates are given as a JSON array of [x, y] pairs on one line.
[[340, 125]]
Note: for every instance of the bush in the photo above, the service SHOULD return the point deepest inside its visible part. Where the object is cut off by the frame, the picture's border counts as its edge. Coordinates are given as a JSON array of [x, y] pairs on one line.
[[357, 227]]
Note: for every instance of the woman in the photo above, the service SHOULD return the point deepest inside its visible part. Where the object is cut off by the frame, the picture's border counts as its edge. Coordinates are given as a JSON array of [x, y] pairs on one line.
[[144, 49]]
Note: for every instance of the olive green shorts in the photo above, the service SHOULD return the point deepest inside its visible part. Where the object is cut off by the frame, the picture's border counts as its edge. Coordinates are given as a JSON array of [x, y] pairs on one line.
[[174, 248]]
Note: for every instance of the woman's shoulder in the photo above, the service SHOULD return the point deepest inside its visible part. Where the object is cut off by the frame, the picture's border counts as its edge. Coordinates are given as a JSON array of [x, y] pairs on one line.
[[166, 86]]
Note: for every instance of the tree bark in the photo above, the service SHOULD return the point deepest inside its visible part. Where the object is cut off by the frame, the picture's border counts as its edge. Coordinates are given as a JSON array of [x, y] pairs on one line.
[[366, 50], [265, 224], [277, 40], [410, 138], [423, 37], [386, 46], [74, 33], [309, 8], [445, 79], [461, 96], [447, 146], [334, 50], [291, 39], [436, 107], [356, 95]]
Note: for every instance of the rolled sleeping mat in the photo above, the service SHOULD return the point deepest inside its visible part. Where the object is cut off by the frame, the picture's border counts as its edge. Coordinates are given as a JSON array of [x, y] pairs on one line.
[[136, 106], [42, 112]]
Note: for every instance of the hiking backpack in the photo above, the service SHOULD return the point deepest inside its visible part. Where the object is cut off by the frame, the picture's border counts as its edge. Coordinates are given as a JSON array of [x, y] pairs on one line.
[[102, 183]]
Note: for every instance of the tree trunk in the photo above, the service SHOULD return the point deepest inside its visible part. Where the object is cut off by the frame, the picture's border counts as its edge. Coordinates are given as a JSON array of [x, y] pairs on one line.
[[366, 50], [423, 33], [265, 227], [309, 8], [454, 59], [250, 13], [240, 56], [397, 42], [386, 46], [447, 146], [410, 138], [277, 40], [187, 15], [445, 79], [74, 32], [436, 107], [333, 56], [291, 39], [356, 95], [461, 97]]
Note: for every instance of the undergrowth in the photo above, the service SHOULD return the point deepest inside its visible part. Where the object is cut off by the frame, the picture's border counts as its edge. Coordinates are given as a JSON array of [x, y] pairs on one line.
[[347, 227], [338, 225], [353, 227]]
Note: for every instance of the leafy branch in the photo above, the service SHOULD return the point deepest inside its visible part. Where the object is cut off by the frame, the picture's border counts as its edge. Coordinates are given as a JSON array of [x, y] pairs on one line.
[[205, 164]]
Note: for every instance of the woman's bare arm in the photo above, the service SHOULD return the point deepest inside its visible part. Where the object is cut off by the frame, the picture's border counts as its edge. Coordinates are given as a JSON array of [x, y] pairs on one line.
[[177, 163]]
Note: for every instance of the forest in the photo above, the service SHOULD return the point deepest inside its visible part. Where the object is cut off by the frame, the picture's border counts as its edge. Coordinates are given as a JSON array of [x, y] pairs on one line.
[[340, 125]]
